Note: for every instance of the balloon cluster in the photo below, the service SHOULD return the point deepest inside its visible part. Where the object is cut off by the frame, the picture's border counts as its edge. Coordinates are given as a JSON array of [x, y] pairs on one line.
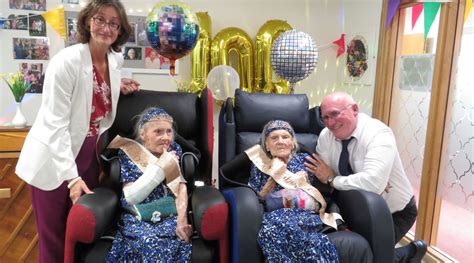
[[172, 30]]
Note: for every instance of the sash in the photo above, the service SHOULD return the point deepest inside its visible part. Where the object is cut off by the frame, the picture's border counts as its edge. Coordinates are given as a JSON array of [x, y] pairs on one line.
[[141, 157], [277, 170]]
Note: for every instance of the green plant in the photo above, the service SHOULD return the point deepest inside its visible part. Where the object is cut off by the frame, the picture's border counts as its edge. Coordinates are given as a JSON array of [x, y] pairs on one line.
[[18, 85]]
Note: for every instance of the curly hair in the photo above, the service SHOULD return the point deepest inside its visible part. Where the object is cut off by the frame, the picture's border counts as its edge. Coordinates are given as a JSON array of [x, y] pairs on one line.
[[84, 17]]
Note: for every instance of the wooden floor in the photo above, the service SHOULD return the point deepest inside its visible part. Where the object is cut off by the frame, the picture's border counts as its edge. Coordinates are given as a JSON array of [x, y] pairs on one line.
[[18, 234]]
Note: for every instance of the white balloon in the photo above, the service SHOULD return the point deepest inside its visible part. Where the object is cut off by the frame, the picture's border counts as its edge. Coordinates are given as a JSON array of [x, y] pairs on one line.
[[223, 80]]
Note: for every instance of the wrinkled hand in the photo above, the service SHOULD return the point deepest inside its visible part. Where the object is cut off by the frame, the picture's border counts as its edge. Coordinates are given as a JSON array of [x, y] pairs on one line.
[[128, 86], [77, 189], [184, 231], [318, 167]]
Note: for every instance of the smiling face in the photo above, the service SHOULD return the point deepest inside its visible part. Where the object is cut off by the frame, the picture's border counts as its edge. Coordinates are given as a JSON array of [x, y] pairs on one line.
[[131, 53], [157, 136], [280, 144], [102, 26], [339, 113]]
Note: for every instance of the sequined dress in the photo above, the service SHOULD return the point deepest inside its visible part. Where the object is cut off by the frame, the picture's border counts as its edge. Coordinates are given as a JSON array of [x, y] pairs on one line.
[[140, 241], [292, 234]]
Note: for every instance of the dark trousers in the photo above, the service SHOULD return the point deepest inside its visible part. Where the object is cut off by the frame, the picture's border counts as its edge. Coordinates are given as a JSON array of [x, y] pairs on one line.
[[52, 207], [402, 222]]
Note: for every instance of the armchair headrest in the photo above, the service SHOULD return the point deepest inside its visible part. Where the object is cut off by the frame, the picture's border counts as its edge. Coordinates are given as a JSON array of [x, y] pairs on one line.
[[254, 110]]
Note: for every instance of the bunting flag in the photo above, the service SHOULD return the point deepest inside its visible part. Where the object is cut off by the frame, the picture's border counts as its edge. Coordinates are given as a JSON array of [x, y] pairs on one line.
[[431, 9], [55, 18], [415, 14], [341, 45], [467, 10], [392, 9]]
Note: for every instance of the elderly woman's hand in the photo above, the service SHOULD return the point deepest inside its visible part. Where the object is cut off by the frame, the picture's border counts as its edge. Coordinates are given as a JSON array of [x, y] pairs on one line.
[[77, 189], [184, 230]]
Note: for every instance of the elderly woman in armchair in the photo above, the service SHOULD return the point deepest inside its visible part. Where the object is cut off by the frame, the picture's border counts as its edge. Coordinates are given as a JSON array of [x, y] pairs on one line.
[[154, 226], [295, 215]]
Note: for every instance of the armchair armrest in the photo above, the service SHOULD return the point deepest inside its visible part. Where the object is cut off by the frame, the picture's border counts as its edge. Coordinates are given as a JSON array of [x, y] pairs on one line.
[[246, 214], [227, 132], [209, 217], [367, 214], [88, 219]]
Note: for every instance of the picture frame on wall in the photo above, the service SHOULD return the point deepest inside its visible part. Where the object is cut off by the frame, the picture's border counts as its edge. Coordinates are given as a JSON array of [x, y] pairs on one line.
[[71, 30], [16, 22], [34, 5], [34, 73], [33, 48], [37, 25], [132, 40]]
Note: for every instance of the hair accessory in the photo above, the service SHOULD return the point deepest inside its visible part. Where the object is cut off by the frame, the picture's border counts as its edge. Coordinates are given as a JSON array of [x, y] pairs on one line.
[[279, 125], [156, 114]]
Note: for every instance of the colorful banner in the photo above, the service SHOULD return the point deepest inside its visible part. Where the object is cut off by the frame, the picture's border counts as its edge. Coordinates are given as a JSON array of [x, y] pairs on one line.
[[467, 10], [415, 14], [392, 9], [55, 18], [341, 45], [431, 9]]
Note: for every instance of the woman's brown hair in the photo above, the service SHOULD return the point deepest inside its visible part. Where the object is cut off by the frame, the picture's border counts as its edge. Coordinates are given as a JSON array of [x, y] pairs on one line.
[[91, 9]]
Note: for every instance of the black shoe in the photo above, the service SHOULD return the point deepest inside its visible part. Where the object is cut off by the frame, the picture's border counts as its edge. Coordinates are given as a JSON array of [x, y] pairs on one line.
[[420, 250]]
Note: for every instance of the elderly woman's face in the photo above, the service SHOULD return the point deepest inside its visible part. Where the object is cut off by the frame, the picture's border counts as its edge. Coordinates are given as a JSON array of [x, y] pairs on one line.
[[157, 136], [279, 143]]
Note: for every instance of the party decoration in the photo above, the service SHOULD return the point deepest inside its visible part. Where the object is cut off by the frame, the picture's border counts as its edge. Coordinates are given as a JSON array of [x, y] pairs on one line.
[[223, 80], [357, 55], [341, 45], [267, 33], [55, 18], [431, 9], [468, 9], [172, 30], [415, 14], [234, 39], [294, 56], [392, 9], [201, 54]]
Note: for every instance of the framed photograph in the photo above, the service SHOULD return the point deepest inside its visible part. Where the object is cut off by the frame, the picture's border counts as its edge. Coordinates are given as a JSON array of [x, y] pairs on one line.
[[141, 32], [34, 5], [13, 22], [34, 73], [71, 30], [132, 53], [132, 38], [31, 48], [37, 25]]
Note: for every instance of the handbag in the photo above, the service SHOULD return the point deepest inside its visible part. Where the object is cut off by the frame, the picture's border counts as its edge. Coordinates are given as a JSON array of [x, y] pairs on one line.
[[154, 211]]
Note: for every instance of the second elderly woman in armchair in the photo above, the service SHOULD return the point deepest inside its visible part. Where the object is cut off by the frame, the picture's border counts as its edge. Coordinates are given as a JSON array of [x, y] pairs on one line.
[[292, 225], [154, 226]]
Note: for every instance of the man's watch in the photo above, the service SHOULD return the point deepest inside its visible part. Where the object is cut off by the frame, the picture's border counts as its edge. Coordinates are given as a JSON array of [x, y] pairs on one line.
[[330, 179]]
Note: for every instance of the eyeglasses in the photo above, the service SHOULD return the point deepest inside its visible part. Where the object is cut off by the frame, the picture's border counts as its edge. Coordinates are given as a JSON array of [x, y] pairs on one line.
[[100, 21], [335, 114]]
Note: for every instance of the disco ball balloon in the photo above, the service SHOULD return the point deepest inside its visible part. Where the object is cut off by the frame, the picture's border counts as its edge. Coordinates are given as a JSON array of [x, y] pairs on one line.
[[172, 30], [294, 56]]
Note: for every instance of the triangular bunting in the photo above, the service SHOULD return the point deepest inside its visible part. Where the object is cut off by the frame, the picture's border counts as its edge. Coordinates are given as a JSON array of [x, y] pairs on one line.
[[467, 10], [392, 9], [55, 18], [431, 9], [341, 45], [415, 14]]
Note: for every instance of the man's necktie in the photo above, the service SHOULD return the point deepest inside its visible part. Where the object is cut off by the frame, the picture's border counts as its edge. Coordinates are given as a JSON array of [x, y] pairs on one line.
[[344, 165]]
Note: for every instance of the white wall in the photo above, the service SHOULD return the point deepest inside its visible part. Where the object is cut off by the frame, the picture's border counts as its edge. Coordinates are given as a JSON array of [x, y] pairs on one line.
[[324, 20]]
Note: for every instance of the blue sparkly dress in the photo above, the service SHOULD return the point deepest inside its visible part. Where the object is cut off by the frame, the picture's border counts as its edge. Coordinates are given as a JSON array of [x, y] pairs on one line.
[[141, 241], [292, 234]]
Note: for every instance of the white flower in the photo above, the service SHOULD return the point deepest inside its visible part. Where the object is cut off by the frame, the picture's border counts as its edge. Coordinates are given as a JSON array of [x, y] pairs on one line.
[[155, 217]]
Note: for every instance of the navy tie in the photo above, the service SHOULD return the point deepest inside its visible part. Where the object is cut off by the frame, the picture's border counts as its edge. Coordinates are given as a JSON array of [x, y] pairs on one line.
[[344, 165]]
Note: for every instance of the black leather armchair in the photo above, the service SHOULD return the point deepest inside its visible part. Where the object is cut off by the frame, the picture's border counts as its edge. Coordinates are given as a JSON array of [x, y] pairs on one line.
[[92, 220], [240, 124]]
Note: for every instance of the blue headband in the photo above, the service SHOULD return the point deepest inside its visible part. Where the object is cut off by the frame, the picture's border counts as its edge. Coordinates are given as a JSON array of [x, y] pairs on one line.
[[279, 125], [156, 114]]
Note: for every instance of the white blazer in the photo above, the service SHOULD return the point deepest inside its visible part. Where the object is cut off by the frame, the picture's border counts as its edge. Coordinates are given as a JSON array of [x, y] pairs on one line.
[[48, 156]]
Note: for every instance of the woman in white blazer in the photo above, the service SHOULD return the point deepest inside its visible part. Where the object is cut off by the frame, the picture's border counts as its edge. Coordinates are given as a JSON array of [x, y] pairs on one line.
[[81, 89]]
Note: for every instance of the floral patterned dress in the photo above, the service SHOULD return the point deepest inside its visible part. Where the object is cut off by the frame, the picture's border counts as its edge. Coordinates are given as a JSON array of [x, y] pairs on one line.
[[292, 234], [141, 241]]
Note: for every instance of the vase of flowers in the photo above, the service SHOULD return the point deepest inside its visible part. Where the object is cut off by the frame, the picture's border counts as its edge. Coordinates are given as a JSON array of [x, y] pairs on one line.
[[18, 86]]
